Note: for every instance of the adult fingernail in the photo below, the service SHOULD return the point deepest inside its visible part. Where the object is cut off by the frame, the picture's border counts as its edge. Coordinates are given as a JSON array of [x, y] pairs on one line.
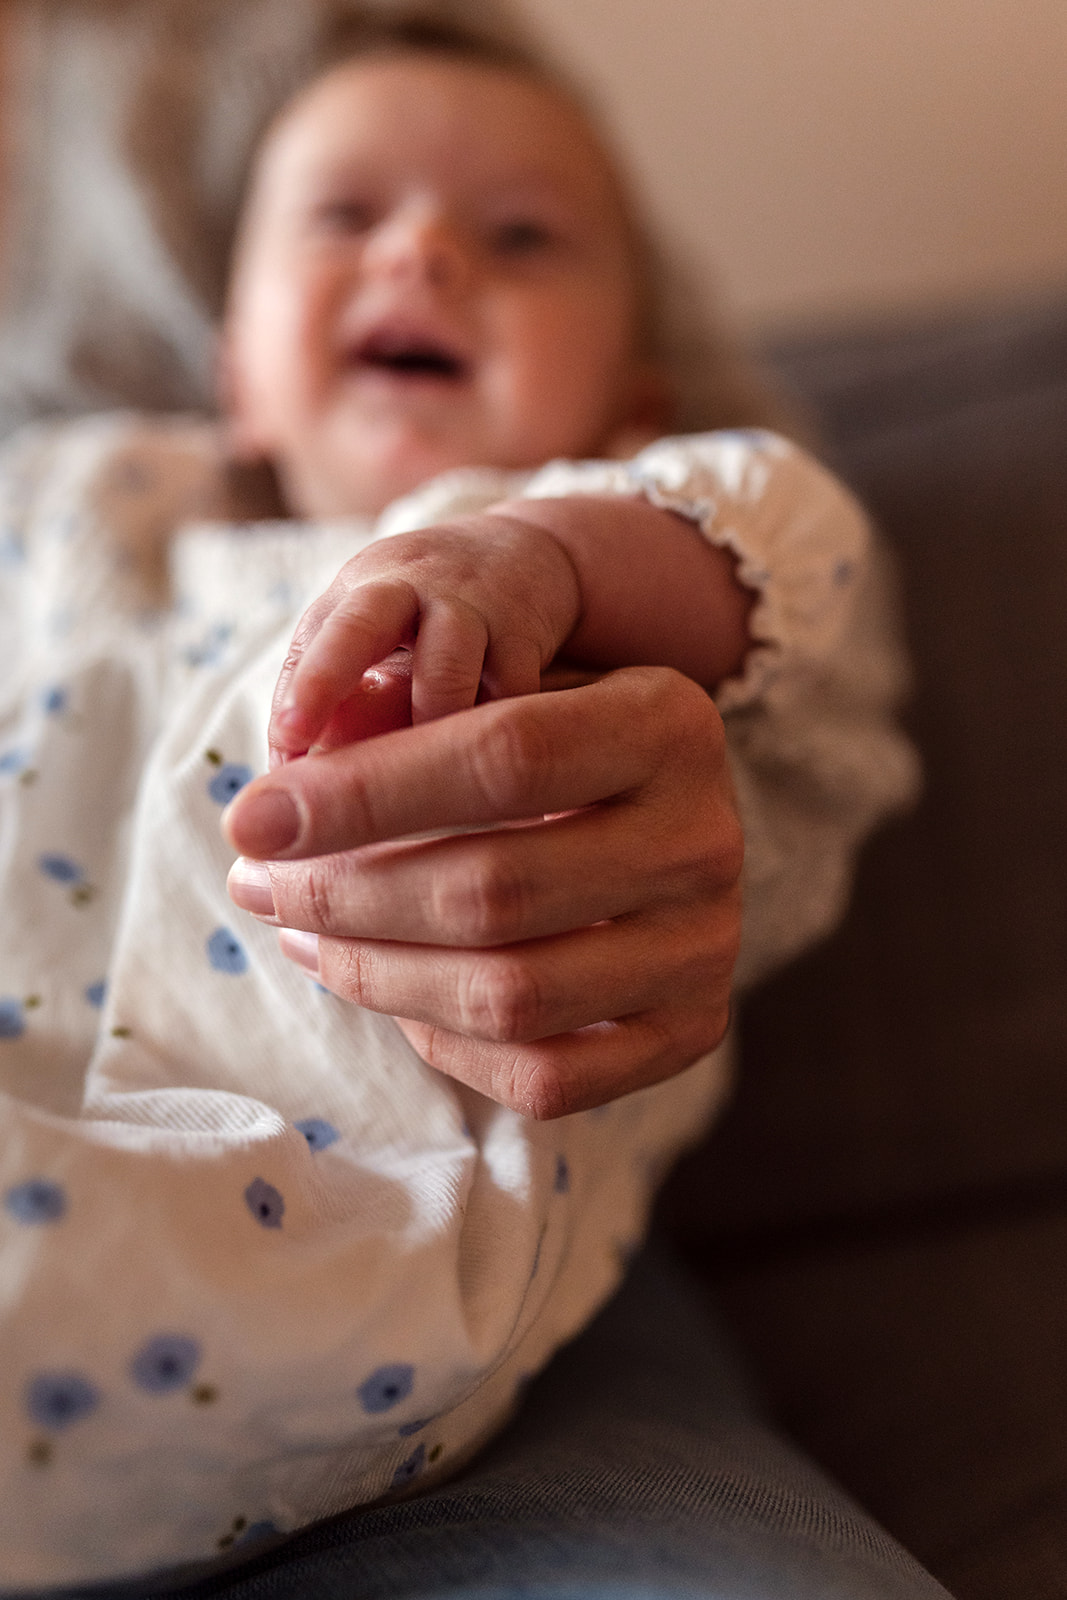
[[249, 887], [262, 823], [303, 948]]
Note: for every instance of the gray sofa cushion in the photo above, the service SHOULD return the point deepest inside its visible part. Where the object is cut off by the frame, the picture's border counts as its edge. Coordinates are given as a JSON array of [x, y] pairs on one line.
[[884, 1209], [919, 1057]]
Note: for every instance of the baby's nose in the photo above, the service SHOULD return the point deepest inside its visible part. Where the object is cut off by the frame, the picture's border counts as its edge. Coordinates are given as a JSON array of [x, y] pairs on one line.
[[422, 245]]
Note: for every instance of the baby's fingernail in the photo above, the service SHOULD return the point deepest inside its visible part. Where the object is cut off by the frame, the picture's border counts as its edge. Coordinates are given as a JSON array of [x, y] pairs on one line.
[[262, 822], [291, 724], [249, 887], [303, 948]]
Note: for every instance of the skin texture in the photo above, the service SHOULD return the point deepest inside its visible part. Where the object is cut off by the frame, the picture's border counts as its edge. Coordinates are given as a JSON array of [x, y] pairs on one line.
[[487, 603], [551, 966], [580, 944]]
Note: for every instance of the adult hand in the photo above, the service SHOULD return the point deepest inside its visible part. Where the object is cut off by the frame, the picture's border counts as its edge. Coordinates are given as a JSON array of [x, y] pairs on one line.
[[584, 951]]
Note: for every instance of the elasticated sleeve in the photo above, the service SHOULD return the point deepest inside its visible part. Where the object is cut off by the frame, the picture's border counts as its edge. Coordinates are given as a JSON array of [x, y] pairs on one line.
[[816, 753]]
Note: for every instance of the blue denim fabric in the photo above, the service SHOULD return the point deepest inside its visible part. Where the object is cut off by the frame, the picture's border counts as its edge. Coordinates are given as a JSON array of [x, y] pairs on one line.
[[639, 1469]]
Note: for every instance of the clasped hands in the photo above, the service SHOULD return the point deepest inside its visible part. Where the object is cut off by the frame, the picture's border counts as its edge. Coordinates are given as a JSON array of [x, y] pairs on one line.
[[576, 940]]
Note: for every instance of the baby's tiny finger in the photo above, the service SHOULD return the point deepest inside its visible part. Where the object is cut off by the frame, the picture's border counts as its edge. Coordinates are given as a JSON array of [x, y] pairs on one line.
[[447, 660], [362, 629], [512, 667]]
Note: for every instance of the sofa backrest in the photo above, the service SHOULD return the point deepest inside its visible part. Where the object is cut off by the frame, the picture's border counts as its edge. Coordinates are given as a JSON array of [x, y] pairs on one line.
[[918, 1060]]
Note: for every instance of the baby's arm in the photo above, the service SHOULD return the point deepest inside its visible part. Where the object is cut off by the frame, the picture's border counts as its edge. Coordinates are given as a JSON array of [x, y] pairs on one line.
[[487, 602]]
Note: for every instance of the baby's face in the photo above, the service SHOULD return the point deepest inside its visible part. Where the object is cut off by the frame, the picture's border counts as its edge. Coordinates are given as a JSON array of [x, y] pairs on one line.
[[435, 271]]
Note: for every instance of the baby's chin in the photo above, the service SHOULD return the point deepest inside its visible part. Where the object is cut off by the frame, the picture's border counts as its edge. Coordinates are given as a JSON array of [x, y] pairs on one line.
[[363, 480], [363, 483]]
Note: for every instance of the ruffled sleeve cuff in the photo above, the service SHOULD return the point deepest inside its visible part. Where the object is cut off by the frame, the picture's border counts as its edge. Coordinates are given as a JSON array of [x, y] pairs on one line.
[[800, 539]]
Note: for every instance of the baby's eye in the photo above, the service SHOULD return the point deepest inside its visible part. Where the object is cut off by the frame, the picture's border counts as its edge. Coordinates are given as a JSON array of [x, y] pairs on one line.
[[522, 236], [344, 216]]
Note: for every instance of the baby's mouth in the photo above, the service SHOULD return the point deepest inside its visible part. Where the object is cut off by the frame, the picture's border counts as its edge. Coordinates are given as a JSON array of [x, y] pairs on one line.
[[409, 356]]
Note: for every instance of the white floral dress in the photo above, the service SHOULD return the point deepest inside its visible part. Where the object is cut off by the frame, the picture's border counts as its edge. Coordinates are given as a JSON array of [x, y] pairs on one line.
[[258, 1262]]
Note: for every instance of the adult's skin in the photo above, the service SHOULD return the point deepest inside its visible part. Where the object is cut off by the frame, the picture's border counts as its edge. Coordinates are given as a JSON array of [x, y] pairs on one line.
[[583, 952]]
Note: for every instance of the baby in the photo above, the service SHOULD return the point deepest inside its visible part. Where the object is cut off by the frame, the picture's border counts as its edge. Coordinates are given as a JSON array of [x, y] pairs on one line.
[[261, 1262]]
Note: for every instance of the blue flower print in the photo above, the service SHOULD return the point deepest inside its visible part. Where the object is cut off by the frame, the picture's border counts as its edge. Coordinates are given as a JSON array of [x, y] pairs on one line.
[[56, 1399], [226, 953], [228, 781], [12, 550], [406, 1429], [54, 700], [209, 653], [409, 1469], [12, 762], [319, 1133], [166, 1362], [96, 993], [12, 1018], [60, 868], [36, 1200], [265, 1203], [562, 1181], [386, 1387]]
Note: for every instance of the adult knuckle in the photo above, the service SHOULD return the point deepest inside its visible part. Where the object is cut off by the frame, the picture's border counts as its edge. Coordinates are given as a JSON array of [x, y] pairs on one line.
[[311, 894], [537, 1084], [722, 857], [482, 907], [352, 973], [502, 1000], [506, 751]]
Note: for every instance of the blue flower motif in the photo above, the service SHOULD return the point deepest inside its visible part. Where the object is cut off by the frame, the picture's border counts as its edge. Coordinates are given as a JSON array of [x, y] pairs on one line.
[[228, 781], [54, 700], [61, 868], [13, 762], [410, 1468], [209, 652], [386, 1387], [406, 1429], [265, 1203], [56, 1399], [166, 1362], [36, 1200], [226, 953], [12, 1018], [96, 993], [318, 1132], [562, 1181], [12, 550]]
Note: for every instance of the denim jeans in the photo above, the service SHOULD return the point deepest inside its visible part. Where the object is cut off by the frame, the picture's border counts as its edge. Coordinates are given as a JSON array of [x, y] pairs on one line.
[[638, 1469]]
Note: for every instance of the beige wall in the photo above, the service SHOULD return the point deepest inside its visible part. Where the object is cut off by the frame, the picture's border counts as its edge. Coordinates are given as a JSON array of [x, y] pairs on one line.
[[838, 156]]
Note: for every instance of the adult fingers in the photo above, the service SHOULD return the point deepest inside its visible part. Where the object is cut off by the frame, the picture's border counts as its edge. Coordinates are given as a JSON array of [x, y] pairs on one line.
[[496, 762], [479, 890], [520, 993], [574, 1071]]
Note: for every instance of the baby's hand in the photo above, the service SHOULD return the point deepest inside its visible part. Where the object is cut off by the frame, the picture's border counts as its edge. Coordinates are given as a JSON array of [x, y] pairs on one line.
[[483, 603]]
